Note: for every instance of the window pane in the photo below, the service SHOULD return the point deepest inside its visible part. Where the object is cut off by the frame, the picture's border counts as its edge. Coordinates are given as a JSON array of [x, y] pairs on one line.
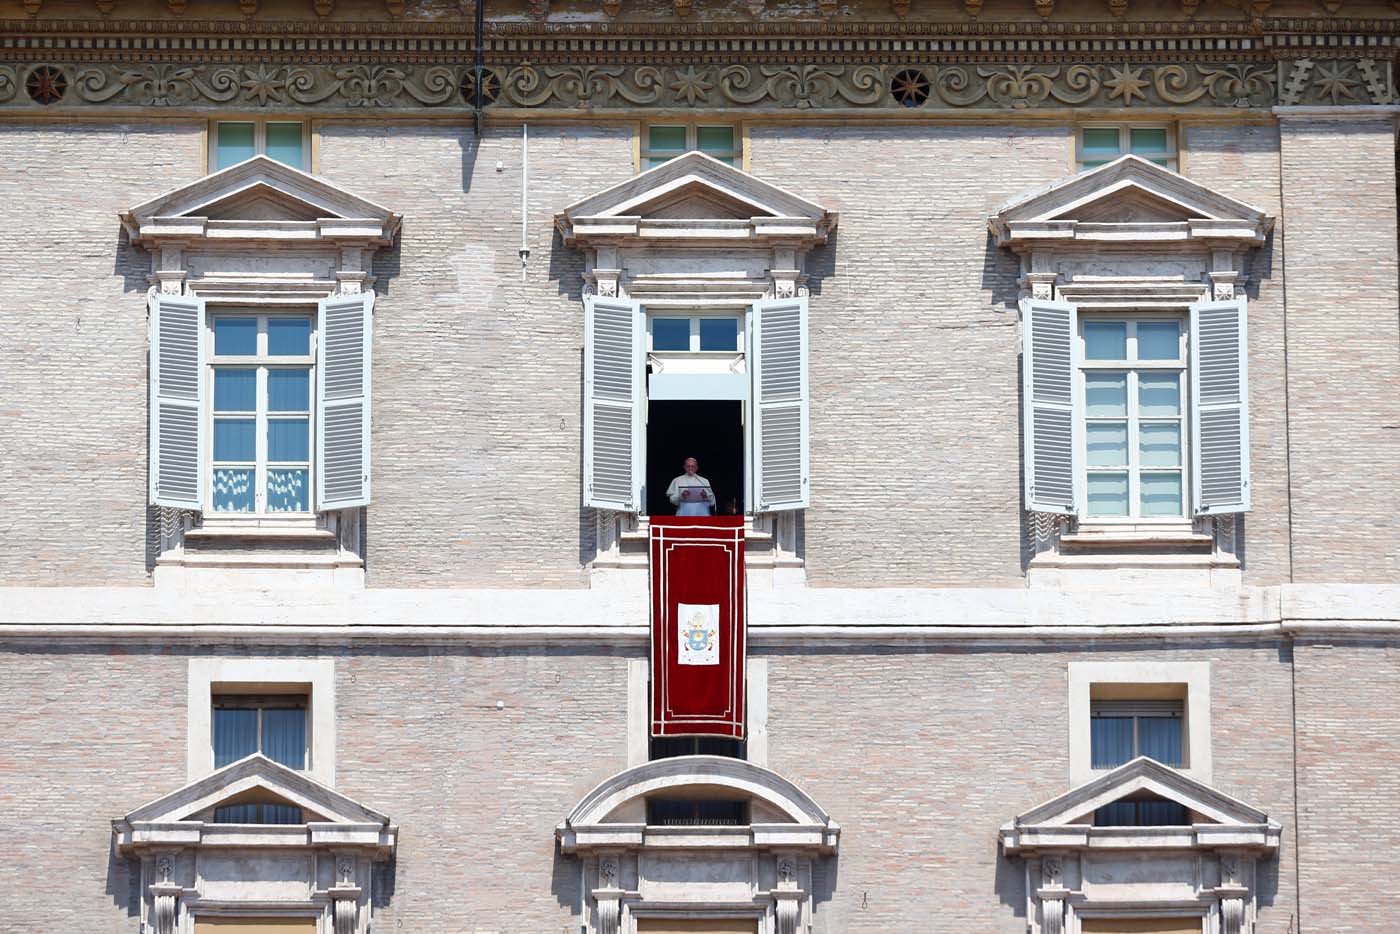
[[715, 140], [659, 160], [281, 814], [289, 390], [235, 734], [670, 334], [233, 143], [235, 390], [284, 736], [666, 139], [233, 489], [235, 337], [1117, 814], [288, 439], [284, 143], [1098, 145], [1159, 444], [719, 334], [1160, 738], [1161, 814], [1108, 494], [236, 813], [233, 439], [1161, 494], [1107, 444], [1110, 741], [1147, 140], [288, 337], [1159, 340], [1159, 394], [1105, 394], [288, 490], [1105, 340]]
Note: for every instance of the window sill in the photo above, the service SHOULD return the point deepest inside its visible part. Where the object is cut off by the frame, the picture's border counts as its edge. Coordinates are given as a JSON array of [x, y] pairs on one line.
[[1117, 535], [299, 528]]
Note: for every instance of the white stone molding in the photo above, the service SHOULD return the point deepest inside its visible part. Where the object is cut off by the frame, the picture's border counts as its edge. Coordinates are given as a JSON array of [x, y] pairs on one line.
[[761, 870], [208, 676], [1129, 234], [1193, 678], [1206, 869], [192, 867]]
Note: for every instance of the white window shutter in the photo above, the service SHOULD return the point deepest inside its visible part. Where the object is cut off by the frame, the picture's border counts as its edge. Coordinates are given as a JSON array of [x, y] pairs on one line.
[[1051, 407], [781, 436], [343, 339], [177, 432], [613, 399], [1219, 408]]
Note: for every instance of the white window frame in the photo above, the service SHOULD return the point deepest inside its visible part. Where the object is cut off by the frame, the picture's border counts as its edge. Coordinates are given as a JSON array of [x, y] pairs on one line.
[[259, 139], [1125, 141], [1193, 677], [692, 143], [262, 362], [208, 677], [1133, 366]]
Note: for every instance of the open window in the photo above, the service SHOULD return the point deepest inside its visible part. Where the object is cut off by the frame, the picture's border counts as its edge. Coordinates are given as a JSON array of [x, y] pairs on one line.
[[1135, 393], [695, 340], [260, 321]]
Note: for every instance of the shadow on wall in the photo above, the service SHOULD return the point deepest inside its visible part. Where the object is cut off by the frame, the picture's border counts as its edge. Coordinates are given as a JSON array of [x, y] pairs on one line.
[[123, 883], [1010, 882], [566, 884], [471, 148], [566, 268]]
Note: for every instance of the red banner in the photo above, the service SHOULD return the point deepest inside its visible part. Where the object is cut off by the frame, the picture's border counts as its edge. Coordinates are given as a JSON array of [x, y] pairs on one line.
[[697, 626]]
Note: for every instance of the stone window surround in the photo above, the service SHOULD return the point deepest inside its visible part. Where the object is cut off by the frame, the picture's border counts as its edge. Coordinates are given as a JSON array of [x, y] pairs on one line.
[[1196, 732], [207, 674], [639, 710], [632, 870]]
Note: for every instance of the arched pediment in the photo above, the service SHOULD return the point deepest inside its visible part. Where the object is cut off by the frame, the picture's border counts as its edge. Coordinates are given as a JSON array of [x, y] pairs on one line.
[[261, 199], [1129, 200], [600, 817], [694, 197]]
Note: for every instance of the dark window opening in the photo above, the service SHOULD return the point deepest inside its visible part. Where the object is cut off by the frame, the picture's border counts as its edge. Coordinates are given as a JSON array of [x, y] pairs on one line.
[[1148, 812], [709, 430], [258, 814], [667, 812], [669, 747], [1120, 731]]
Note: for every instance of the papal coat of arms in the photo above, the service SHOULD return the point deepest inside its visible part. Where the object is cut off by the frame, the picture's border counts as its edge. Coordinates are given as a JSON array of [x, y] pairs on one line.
[[698, 626]]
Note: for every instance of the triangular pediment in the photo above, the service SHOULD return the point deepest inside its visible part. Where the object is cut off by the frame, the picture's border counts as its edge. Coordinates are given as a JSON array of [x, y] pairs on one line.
[[1138, 778], [1138, 197], [695, 188], [261, 190], [255, 778]]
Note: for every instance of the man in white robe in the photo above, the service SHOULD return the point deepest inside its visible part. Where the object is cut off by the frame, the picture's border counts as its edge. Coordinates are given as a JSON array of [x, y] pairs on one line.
[[690, 493]]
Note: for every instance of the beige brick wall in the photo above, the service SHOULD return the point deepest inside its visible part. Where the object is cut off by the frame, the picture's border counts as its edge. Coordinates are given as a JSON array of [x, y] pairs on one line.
[[1343, 336], [922, 755], [1348, 787], [73, 362]]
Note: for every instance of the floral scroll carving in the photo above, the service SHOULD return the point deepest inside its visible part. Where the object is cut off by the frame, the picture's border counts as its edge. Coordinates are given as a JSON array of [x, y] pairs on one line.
[[950, 86]]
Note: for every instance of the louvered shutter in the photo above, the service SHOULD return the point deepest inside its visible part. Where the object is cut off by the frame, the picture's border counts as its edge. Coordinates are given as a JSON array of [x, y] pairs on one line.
[[344, 336], [1051, 409], [778, 355], [612, 403], [1219, 408], [177, 429]]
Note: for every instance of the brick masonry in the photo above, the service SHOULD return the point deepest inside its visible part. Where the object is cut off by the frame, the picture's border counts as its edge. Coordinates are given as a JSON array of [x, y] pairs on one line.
[[477, 376]]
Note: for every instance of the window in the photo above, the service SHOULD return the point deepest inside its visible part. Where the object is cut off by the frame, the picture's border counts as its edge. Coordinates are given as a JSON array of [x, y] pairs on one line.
[[258, 813], [262, 377], [668, 747], [254, 925], [695, 334], [671, 812], [1142, 812], [663, 143], [1122, 730], [274, 725], [1099, 145], [1134, 399], [232, 141]]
